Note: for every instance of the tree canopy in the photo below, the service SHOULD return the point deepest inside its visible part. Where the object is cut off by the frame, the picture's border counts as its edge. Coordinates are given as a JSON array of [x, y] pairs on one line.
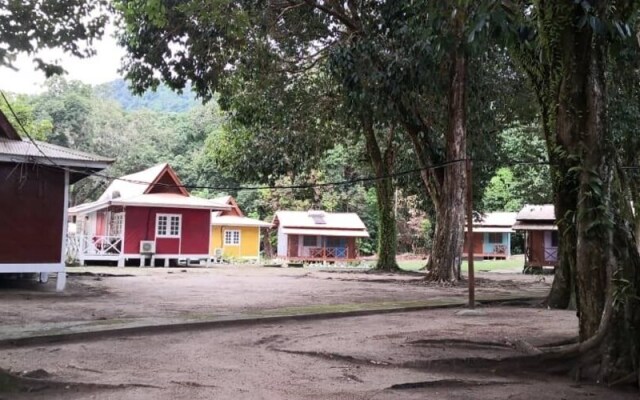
[[69, 25]]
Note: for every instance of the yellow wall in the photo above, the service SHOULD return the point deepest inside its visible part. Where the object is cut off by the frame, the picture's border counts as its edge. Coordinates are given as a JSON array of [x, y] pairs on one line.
[[249, 241]]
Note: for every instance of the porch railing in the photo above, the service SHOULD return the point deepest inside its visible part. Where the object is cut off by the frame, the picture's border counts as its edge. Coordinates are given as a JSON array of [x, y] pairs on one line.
[[551, 254], [99, 245], [328, 252]]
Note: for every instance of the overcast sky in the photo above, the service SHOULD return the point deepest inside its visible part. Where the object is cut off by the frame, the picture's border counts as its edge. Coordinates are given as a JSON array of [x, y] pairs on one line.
[[99, 69]]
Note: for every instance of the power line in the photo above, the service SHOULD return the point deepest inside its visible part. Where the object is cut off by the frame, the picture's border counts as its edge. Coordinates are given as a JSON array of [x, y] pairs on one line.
[[15, 116], [223, 188], [271, 187]]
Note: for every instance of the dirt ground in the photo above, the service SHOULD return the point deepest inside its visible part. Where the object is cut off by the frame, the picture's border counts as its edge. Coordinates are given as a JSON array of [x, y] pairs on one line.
[[393, 356], [410, 355], [175, 292]]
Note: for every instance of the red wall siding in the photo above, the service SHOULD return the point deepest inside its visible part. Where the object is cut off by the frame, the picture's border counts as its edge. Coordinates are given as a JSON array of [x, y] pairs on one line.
[[478, 243], [140, 224], [168, 246], [31, 213], [196, 227]]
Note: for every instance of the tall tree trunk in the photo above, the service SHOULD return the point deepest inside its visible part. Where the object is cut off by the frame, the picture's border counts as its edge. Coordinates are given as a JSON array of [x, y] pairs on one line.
[[382, 164], [564, 182], [387, 232], [266, 243], [449, 231], [606, 270]]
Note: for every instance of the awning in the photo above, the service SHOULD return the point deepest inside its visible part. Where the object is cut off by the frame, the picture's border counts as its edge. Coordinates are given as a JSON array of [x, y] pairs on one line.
[[325, 232], [519, 226]]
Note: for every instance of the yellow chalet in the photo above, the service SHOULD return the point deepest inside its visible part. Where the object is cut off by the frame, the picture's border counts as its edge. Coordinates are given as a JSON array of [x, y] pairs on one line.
[[233, 234]]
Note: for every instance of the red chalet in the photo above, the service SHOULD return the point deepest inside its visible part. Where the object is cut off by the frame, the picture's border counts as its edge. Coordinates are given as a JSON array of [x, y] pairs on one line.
[[34, 190], [148, 216]]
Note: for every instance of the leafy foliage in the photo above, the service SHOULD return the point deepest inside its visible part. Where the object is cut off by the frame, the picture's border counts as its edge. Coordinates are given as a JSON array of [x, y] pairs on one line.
[[70, 25], [37, 129]]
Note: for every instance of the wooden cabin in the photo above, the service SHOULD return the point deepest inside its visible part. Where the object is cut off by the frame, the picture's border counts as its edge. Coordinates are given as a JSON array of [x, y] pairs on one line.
[[538, 223], [233, 235], [492, 236], [34, 194], [146, 217], [318, 236]]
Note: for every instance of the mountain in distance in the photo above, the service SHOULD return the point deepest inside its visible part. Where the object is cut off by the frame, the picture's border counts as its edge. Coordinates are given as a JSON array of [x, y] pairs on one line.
[[163, 99]]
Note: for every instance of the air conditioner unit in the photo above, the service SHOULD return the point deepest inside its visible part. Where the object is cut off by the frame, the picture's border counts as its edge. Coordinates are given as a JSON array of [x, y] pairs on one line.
[[147, 247]]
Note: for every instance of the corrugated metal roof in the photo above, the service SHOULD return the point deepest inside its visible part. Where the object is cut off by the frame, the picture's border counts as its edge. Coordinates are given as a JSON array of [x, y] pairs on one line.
[[302, 219], [233, 220], [326, 232], [529, 212], [24, 150]]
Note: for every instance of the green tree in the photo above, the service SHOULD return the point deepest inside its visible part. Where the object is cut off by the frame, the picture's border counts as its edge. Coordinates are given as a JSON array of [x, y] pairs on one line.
[[500, 193], [70, 25], [524, 179], [21, 105]]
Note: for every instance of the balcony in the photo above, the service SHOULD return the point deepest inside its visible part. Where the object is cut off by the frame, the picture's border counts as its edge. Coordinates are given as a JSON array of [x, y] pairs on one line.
[[85, 247]]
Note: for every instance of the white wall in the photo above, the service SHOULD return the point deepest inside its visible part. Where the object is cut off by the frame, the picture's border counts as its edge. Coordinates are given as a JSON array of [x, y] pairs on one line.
[[282, 243]]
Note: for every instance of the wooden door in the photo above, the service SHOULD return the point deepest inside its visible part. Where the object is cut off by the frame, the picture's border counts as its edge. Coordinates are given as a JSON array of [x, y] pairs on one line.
[[292, 248]]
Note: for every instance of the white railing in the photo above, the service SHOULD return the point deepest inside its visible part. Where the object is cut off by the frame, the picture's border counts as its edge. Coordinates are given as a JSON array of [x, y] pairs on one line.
[[99, 245], [551, 254], [72, 248]]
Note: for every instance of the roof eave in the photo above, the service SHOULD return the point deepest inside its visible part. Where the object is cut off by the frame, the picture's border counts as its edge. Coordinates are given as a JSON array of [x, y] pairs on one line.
[[59, 162], [125, 203]]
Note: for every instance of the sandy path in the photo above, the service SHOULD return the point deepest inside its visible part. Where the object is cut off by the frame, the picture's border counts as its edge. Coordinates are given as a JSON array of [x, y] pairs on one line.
[[347, 358], [169, 293]]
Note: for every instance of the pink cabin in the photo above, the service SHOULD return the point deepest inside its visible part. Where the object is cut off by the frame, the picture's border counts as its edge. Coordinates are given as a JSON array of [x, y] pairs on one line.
[[148, 217]]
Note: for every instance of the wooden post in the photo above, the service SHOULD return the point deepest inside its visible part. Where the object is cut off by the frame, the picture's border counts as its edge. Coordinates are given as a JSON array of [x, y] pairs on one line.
[[471, 272]]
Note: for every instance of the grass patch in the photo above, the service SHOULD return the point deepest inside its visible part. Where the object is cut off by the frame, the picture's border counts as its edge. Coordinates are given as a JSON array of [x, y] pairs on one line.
[[514, 263]]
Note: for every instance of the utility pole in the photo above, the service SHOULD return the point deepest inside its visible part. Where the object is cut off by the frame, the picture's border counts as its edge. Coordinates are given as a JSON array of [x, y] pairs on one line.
[[471, 272]]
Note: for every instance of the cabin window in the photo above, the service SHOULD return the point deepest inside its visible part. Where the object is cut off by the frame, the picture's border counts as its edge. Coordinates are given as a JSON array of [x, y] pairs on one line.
[[335, 242], [495, 238], [115, 224], [554, 239], [168, 225], [231, 237], [310, 241]]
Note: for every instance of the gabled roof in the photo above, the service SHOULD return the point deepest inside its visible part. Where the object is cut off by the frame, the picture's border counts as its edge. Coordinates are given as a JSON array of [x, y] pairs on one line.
[[141, 182], [311, 220], [536, 218], [229, 200], [234, 216], [494, 222], [158, 186]]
